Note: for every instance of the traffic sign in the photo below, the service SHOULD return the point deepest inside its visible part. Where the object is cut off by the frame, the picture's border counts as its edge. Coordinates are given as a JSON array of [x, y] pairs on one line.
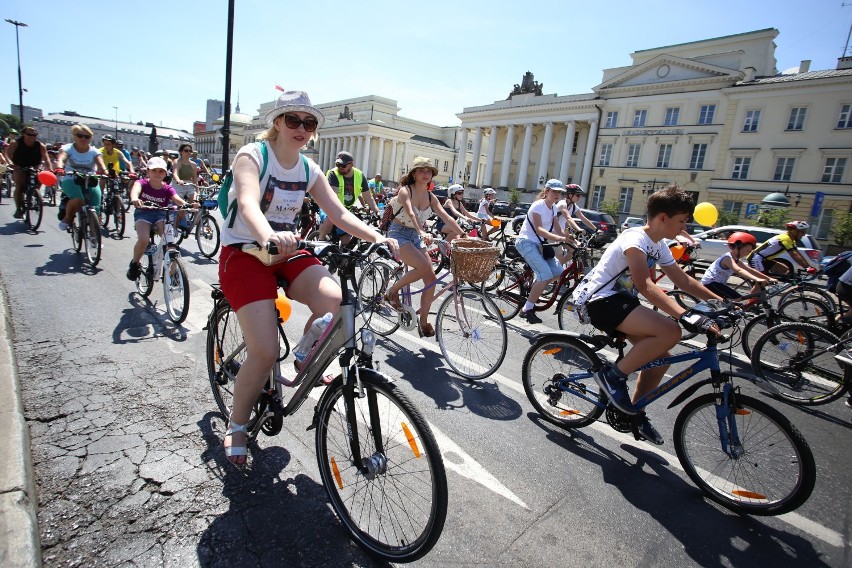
[[751, 210], [817, 208], [451, 179]]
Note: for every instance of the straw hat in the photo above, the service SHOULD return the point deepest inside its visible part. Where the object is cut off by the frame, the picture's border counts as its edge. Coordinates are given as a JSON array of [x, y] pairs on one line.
[[421, 162], [294, 101]]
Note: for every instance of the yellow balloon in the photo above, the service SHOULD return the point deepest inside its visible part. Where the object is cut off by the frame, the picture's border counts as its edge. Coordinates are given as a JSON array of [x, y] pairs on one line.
[[215, 177], [282, 303], [705, 214]]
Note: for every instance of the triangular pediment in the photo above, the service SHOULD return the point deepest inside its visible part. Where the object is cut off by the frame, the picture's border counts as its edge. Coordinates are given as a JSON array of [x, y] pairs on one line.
[[666, 72]]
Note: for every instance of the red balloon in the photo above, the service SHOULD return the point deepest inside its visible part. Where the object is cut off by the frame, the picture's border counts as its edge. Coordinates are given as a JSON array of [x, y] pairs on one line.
[[47, 178]]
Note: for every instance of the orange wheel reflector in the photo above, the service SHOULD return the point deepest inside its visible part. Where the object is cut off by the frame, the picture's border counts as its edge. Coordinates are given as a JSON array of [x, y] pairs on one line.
[[336, 473], [217, 357], [743, 412], [800, 337], [411, 441], [553, 351], [569, 412], [749, 494]]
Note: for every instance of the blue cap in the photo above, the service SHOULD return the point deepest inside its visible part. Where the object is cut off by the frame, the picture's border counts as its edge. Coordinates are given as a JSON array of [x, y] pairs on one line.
[[554, 184]]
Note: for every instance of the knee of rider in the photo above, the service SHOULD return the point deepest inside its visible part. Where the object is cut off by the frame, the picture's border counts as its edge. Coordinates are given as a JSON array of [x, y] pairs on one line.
[[670, 331]]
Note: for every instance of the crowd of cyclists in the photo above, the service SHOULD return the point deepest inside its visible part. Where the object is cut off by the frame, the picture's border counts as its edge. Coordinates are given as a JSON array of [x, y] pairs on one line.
[[276, 190]]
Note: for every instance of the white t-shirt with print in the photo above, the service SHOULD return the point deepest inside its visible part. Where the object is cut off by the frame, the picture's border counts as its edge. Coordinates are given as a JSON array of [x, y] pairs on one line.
[[571, 207], [80, 161], [289, 186], [547, 214], [611, 275]]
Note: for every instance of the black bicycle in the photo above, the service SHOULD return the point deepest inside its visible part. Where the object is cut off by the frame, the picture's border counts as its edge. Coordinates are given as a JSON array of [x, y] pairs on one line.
[[33, 202], [85, 228], [112, 206]]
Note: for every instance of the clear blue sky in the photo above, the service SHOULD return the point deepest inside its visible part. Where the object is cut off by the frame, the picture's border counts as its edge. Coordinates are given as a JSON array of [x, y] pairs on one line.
[[160, 62]]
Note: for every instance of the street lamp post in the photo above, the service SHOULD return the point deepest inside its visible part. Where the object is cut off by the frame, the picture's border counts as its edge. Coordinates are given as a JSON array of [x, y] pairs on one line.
[[116, 122], [20, 85]]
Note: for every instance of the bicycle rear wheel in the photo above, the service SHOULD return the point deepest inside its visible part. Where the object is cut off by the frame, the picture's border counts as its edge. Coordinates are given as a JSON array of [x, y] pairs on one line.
[[374, 281], [471, 333], [554, 358], [226, 353], [207, 235], [567, 319], [106, 210], [93, 238], [797, 360], [393, 503], [145, 280], [33, 209], [76, 236], [176, 290], [770, 471], [118, 216], [505, 287]]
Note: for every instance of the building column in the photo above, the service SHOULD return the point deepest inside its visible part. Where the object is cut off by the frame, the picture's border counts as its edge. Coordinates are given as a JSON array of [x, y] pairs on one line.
[[394, 170], [566, 151], [380, 167], [461, 161], [525, 156], [590, 151], [404, 162], [359, 150], [507, 156], [474, 160], [489, 159], [367, 169], [544, 161]]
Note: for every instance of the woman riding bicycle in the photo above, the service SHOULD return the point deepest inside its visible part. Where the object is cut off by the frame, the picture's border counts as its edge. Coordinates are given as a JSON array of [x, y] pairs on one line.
[[184, 176], [81, 156], [249, 284], [454, 205], [413, 205]]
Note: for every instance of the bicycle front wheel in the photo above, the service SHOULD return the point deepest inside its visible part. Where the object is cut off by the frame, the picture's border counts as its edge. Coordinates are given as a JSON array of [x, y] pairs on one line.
[[394, 502], [145, 280], [471, 333], [207, 235], [33, 209], [93, 238], [796, 359], [806, 309], [558, 381], [374, 281], [506, 288], [176, 290], [118, 217], [768, 468], [76, 236]]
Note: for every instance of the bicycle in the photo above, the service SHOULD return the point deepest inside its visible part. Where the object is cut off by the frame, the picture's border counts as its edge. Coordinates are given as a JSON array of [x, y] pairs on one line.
[[33, 202], [798, 361], [468, 327], [85, 227], [112, 206], [741, 452], [207, 233], [7, 181], [378, 459], [162, 261]]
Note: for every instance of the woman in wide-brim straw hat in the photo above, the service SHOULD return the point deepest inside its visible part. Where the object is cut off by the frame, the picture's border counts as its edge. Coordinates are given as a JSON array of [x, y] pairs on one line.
[[416, 204], [251, 285]]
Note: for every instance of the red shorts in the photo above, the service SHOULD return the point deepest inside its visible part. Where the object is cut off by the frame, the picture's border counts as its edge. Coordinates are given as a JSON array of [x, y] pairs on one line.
[[244, 279]]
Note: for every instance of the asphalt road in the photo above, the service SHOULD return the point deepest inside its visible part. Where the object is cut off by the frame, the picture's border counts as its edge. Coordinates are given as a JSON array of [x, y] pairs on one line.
[[129, 468]]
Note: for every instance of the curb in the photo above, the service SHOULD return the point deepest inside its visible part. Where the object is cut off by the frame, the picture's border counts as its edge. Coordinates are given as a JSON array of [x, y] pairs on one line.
[[19, 535]]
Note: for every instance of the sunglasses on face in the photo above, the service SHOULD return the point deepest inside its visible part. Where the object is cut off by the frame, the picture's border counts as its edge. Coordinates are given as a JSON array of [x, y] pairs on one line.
[[293, 122], [83, 136], [30, 134], [187, 151]]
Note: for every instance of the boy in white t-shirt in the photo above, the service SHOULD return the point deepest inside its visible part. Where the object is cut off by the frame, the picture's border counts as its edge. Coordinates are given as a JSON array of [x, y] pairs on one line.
[[608, 294]]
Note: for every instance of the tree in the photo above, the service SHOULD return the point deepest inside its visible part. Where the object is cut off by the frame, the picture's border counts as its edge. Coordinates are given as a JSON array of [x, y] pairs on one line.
[[727, 218], [612, 207], [9, 122], [514, 196], [841, 229], [774, 218]]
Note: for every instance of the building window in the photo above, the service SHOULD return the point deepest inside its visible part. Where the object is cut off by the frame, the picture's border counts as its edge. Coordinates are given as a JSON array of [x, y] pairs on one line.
[[699, 152], [446, 165], [734, 207], [664, 157], [625, 200], [576, 141], [633, 155], [823, 227], [672, 116], [639, 117], [469, 145], [797, 118], [784, 169], [834, 168], [752, 119], [706, 114], [845, 120], [597, 197], [611, 119], [606, 154], [741, 166]]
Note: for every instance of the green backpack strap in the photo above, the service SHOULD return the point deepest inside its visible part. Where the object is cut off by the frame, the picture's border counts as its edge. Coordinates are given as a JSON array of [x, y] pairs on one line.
[[264, 158], [307, 170]]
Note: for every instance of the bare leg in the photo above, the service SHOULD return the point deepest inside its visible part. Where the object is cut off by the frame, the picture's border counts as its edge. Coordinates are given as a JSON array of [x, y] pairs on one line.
[[652, 335], [421, 270]]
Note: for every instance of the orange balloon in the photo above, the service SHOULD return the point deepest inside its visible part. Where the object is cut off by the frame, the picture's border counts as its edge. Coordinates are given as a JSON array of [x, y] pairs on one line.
[[282, 304], [677, 250]]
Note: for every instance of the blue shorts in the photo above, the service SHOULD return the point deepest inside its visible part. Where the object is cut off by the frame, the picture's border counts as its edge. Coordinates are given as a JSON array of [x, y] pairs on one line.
[[404, 234], [151, 216], [531, 253]]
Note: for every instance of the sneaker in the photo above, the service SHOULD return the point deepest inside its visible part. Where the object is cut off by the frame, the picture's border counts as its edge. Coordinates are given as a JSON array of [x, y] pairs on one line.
[[19, 213], [63, 226], [530, 316], [647, 430], [849, 403], [615, 387], [134, 271]]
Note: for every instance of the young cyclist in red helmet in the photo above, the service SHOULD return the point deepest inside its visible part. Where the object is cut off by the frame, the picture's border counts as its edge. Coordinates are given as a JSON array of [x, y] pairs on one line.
[[717, 275]]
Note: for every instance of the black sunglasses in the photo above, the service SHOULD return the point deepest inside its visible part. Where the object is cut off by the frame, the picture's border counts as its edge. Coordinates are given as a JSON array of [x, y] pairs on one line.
[[293, 122], [85, 136]]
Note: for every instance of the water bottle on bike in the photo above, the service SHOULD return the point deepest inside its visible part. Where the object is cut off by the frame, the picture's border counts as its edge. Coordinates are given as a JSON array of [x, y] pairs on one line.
[[307, 342]]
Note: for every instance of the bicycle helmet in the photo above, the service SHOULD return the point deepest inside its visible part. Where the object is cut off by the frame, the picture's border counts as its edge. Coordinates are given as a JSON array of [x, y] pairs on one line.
[[574, 188], [800, 225], [489, 191], [107, 138], [454, 189], [741, 238], [119, 143]]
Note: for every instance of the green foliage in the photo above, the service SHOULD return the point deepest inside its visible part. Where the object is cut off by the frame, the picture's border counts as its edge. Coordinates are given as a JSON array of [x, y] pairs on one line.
[[515, 196], [774, 218], [841, 229], [727, 218], [612, 207], [11, 122]]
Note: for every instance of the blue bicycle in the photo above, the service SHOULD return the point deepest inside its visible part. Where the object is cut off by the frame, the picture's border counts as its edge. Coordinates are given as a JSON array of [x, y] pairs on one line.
[[740, 451]]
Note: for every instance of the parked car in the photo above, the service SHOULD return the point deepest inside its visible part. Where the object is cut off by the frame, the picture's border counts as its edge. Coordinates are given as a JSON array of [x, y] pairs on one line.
[[521, 209], [632, 222], [603, 221], [441, 193], [501, 209], [714, 243]]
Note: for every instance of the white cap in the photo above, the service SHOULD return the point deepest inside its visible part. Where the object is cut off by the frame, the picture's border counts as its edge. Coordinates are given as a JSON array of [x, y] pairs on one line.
[[157, 162]]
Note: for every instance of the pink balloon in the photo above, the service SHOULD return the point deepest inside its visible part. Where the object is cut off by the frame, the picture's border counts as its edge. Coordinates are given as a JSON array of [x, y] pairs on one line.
[[47, 178]]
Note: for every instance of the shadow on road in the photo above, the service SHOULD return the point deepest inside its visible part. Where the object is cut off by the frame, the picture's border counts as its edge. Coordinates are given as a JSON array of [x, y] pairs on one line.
[[141, 322]]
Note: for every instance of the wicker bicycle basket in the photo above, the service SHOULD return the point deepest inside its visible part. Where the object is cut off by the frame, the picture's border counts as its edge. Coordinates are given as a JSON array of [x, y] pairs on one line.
[[472, 260]]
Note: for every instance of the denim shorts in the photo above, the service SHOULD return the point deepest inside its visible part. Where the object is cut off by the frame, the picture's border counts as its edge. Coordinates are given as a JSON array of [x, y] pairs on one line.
[[531, 253], [151, 216], [404, 234]]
